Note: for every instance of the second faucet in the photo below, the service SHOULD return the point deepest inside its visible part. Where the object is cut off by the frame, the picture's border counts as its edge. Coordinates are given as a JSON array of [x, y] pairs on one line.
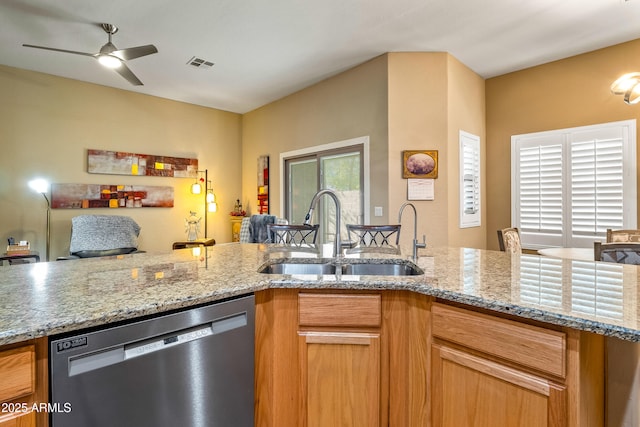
[[416, 245]]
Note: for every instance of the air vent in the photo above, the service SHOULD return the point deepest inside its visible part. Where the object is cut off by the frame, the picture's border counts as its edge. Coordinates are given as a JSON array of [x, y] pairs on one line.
[[199, 63]]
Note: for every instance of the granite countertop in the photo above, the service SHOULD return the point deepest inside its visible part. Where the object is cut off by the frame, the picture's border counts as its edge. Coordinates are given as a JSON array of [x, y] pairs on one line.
[[50, 298]]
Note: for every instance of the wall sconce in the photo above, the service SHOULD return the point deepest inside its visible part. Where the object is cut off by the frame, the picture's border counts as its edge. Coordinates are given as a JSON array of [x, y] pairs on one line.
[[210, 205], [629, 86], [41, 186]]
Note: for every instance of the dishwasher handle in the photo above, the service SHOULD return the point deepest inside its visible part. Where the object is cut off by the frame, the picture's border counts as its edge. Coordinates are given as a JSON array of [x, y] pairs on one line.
[[156, 344], [184, 336]]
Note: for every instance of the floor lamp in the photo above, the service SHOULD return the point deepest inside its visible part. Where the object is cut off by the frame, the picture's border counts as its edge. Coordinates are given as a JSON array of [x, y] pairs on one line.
[[42, 187], [210, 204]]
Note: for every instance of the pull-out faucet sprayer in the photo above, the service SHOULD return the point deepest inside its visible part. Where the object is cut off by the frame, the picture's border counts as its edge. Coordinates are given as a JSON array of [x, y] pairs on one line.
[[337, 244]]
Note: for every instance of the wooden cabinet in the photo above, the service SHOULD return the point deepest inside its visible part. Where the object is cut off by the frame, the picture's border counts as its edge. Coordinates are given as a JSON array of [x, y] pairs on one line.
[[473, 391], [27, 419], [396, 358], [341, 358], [340, 379], [236, 225], [489, 371], [23, 384]]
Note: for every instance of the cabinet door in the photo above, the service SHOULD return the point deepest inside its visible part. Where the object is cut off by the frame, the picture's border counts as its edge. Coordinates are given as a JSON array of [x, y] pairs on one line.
[[340, 379], [17, 370], [469, 390], [25, 420]]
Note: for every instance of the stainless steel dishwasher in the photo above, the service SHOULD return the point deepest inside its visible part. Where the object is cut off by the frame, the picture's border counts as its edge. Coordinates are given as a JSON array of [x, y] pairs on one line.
[[190, 368]]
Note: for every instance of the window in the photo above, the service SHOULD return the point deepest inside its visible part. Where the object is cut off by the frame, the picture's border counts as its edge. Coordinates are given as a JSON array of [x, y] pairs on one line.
[[568, 186], [469, 180]]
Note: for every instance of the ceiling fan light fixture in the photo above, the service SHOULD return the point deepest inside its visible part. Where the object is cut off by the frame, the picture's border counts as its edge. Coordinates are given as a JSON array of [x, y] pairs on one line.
[[110, 56], [110, 61]]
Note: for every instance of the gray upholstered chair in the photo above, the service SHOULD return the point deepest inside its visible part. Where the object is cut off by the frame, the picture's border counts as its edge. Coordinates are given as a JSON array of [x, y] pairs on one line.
[[621, 253], [102, 235], [509, 240], [253, 229]]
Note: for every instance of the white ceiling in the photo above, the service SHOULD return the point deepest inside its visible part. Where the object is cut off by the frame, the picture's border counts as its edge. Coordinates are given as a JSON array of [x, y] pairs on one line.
[[266, 49]]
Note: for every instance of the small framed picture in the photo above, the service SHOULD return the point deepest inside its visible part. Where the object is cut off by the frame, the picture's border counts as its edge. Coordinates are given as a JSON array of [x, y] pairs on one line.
[[420, 164]]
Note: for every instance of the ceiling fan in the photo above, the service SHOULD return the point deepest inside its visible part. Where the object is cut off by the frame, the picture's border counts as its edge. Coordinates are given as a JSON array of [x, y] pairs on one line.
[[112, 57]]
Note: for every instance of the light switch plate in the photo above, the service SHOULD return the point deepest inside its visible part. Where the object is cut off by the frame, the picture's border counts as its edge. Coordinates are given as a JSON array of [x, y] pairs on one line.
[[377, 211]]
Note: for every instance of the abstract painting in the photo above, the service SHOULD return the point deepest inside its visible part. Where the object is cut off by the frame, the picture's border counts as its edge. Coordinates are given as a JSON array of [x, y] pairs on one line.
[[263, 184], [121, 163], [86, 196]]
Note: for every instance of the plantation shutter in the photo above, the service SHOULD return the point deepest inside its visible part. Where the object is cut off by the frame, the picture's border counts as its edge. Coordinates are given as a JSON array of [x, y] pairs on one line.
[[570, 185], [596, 183], [539, 196], [469, 180]]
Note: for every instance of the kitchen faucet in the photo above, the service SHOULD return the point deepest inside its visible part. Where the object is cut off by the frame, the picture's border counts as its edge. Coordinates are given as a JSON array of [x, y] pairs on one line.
[[337, 244], [416, 245]]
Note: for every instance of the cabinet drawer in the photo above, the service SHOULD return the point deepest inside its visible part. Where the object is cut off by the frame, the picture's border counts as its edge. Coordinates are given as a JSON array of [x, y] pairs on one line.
[[339, 310], [17, 370], [527, 345]]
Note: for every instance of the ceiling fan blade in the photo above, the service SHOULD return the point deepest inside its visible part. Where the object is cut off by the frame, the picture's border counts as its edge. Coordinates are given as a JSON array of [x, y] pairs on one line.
[[60, 50], [125, 72], [135, 52]]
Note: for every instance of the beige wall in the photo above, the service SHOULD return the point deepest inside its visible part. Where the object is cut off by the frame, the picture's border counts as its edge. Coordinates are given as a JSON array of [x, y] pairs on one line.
[[466, 109], [46, 125], [418, 121], [349, 105], [562, 94], [432, 96]]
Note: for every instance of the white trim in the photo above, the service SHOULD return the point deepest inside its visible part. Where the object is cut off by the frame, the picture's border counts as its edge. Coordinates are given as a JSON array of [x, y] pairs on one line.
[[361, 140]]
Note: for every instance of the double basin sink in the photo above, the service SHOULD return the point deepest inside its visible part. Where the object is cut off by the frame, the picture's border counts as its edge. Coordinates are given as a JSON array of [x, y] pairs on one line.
[[356, 267]]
